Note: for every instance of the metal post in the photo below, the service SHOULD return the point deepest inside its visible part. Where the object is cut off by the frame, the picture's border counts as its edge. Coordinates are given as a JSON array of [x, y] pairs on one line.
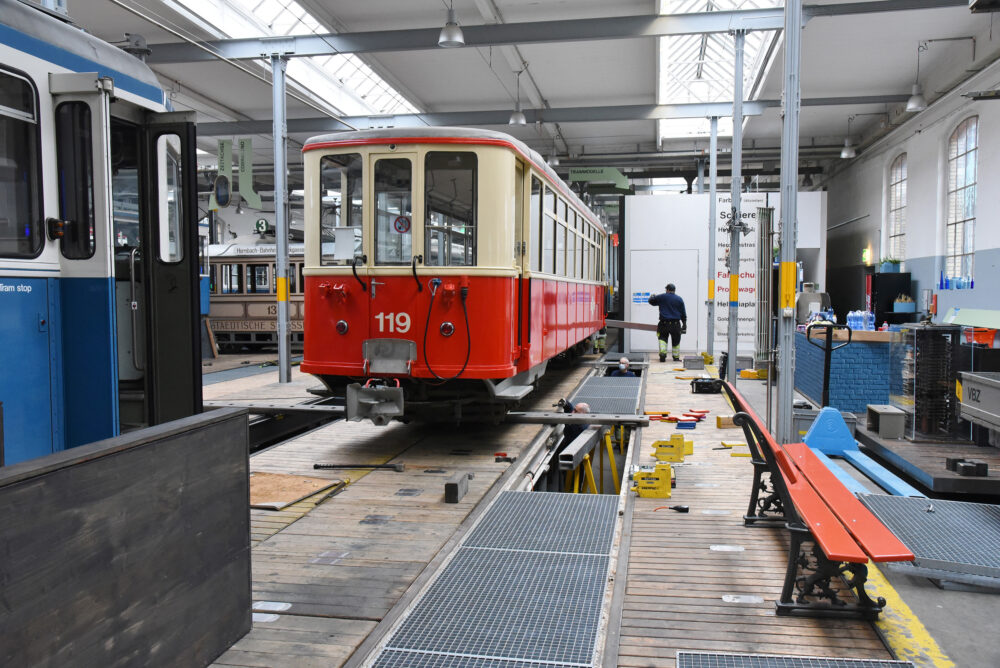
[[736, 222], [713, 166], [701, 176], [789, 221], [278, 64]]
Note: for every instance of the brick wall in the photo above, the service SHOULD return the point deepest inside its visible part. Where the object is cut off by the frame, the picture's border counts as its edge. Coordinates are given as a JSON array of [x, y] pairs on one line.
[[859, 374]]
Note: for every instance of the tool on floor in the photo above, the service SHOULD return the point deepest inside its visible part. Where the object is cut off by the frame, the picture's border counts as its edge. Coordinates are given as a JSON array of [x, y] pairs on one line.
[[680, 509], [392, 467], [653, 481], [674, 449]]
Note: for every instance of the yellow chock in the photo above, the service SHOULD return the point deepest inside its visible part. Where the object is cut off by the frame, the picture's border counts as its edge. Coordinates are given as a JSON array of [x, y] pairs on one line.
[[733, 444], [762, 374], [674, 449], [739, 454], [709, 359], [724, 422], [748, 373], [653, 481]]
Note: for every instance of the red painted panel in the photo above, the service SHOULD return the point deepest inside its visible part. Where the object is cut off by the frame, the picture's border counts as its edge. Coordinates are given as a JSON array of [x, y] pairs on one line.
[[399, 310]]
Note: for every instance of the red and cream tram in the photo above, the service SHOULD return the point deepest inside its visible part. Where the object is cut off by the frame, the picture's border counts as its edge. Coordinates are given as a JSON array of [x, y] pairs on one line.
[[444, 268]]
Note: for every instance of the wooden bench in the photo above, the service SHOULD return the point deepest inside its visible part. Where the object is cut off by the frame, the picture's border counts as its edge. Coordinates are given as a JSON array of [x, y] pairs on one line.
[[832, 533]]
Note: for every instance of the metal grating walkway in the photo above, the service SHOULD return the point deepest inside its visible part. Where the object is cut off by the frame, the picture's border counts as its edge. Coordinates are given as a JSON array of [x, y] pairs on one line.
[[952, 536], [525, 588], [713, 660], [611, 394]]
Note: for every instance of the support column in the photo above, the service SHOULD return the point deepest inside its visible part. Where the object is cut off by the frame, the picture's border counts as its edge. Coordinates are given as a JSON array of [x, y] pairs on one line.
[[701, 176], [280, 132], [736, 221], [789, 221], [713, 168]]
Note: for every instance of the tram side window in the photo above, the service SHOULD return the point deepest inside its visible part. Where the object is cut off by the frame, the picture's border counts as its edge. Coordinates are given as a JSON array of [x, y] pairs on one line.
[[549, 233], [232, 278], [292, 275], [213, 279], [21, 233], [535, 223], [393, 211], [258, 280], [170, 187], [340, 187], [450, 208], [571, 267], [75, 166]]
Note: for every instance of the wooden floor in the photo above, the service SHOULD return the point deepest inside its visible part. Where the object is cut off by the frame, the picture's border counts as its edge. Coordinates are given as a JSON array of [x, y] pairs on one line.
[[925, 463], [677, 585], [325, 575]]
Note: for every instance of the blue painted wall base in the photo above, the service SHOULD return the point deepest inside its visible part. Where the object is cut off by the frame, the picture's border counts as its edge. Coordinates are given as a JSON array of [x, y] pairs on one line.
[[859, 374]]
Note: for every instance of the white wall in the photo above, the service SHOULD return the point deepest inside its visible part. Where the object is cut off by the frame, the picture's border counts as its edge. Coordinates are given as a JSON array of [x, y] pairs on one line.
[[858, 199], [680, 222]]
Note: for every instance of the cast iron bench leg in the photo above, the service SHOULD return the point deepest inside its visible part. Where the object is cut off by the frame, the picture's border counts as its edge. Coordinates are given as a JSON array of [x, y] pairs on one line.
[[808, 586]]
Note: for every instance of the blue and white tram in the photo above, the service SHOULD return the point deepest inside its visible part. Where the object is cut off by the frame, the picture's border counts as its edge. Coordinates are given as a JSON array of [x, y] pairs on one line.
[[98, 241]]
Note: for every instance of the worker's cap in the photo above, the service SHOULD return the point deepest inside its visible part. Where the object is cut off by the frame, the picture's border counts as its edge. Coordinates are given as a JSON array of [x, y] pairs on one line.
[[671, 287]]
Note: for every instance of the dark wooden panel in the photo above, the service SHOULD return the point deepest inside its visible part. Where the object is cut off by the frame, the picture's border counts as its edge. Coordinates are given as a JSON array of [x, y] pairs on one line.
[[925, 463], [131, 551]]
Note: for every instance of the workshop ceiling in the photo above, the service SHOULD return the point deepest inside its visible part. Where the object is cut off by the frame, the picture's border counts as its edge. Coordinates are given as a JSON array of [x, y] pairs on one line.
[[872, 54]]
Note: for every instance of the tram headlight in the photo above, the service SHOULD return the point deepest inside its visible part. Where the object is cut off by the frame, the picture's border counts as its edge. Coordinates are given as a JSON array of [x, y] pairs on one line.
[[447, 329], [341, 327]]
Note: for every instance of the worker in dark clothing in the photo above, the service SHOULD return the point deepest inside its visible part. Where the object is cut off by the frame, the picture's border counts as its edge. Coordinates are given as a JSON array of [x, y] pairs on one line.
[[623, 369], [673, 321], [571, 431]]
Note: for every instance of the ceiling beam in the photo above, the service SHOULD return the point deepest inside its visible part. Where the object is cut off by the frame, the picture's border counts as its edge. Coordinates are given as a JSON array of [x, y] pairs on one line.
[[630, 112], [616, 27]]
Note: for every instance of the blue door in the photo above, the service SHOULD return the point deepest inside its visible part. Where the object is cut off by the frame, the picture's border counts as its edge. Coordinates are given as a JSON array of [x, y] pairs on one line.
[[25, 369]]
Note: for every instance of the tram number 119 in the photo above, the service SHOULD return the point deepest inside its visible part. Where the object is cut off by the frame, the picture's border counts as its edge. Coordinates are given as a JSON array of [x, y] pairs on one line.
[[393, 322]]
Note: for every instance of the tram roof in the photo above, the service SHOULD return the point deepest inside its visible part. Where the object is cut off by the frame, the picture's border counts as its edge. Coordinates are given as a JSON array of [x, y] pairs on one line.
[[39, 34], [441, 134]]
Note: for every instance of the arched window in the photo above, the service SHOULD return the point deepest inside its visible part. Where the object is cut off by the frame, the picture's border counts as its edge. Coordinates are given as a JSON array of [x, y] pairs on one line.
[[960, 222], [897, 209]]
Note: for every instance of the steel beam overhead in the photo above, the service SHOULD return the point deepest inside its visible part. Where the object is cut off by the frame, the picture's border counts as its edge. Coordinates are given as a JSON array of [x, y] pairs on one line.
[[620, 27], [736, 227], [631, 112], [280, 134], [788, 273], [713, 175]]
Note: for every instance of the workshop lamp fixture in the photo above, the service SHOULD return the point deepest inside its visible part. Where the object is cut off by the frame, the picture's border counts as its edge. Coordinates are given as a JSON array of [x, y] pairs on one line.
[[517, 116], [451, 34], [917, 101], [848, 151]]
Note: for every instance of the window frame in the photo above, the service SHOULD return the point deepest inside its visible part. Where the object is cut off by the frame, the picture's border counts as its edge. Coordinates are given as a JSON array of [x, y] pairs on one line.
[[447, 231], [37, 196], [963, 229], [79, 241], [328, 260], [898, 197]]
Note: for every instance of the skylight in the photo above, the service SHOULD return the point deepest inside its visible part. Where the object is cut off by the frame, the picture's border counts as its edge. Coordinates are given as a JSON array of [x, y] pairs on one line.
[[342, 81], [699, 68]]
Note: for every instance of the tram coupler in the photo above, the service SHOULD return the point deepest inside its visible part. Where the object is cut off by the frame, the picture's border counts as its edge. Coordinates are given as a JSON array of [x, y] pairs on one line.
[[376, 400]]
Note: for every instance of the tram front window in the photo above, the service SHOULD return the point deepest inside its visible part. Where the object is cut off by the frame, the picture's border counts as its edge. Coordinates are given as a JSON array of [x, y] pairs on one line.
[[21, 233], [340, 185], [450, 200], [393, 211]]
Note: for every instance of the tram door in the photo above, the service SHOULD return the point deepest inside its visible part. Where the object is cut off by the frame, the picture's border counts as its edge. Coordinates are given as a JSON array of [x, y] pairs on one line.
[[390, 312], [154, 237]]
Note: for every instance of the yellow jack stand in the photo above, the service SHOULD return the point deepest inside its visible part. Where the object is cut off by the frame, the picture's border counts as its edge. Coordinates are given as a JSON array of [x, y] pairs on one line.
[[653, 481], [674, 449], [709, 359]]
